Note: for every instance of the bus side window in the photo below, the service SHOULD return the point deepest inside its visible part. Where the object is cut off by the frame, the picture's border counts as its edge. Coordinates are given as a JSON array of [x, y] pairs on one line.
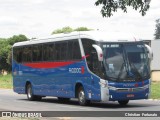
[[49, 52], [45, 52], [19, 60], [58, 51], [73, 50], [27, 54], [64, 51], [37, 53], [76, 51], [69, 50], [17, 54]]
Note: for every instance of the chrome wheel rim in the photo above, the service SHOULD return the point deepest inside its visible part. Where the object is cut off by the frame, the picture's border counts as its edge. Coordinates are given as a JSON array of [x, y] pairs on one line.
[[29, 92], [81, 97]]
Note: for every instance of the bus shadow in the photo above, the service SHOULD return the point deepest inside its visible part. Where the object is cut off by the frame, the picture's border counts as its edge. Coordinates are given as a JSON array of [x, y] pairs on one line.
[[74, 102]]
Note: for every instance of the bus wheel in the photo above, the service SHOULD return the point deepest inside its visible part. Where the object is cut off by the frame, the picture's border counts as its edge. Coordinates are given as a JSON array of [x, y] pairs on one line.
[[63, 99], [82, 98], [30, 95], [123, 102]]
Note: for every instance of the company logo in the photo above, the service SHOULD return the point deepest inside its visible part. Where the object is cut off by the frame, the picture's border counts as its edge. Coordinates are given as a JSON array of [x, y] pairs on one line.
[[77, 70]]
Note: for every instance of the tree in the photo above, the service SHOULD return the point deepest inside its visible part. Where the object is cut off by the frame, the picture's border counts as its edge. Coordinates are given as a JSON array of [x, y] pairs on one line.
[[63, 30], [5, 50], [17, 38], [82, 29], [110, 6], [157, 30], [69, 29]]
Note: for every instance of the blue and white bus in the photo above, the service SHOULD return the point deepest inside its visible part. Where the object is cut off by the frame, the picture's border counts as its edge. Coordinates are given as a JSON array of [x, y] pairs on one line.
[[90, 66]]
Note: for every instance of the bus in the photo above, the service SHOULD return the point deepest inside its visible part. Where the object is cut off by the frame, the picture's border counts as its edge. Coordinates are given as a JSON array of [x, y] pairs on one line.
[[89, 66]]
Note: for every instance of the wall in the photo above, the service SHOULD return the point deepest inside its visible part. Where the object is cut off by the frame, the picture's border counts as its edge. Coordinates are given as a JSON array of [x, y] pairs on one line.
[[155, 76], [155, 65]]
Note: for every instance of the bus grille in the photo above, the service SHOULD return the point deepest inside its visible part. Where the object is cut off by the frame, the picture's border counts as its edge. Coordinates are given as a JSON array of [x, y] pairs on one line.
[[131, 89]]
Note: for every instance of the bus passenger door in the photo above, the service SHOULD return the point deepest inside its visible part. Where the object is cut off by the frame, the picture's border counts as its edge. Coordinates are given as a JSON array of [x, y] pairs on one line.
[[95, 67]]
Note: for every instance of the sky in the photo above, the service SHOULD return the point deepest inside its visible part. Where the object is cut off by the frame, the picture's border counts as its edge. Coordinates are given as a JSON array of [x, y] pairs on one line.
[[39, 18]]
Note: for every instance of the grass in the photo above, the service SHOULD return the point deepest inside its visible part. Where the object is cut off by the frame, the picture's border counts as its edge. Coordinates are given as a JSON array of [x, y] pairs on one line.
[[6, 82], [155, 90]]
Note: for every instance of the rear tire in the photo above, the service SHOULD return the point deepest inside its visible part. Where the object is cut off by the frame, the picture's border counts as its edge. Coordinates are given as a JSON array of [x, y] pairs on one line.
[[123, 102], [30, 95], [82, 98]]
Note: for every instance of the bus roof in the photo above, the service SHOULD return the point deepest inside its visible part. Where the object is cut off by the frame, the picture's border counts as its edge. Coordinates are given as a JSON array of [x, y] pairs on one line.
[[94, 35]]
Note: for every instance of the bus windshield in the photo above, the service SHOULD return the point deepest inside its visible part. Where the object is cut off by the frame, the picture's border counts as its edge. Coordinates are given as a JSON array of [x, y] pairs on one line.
[[125, 62]]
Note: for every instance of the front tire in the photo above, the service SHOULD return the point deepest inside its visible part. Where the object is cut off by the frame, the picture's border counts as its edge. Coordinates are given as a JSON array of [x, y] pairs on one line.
[[82, 98], [30, 95], [123, 102]]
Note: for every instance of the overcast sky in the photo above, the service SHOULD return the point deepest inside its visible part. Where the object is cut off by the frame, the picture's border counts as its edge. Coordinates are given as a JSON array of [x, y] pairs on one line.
[[38, 18]]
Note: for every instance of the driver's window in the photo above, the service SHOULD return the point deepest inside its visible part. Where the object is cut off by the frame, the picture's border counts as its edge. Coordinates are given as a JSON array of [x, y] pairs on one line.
[[87, 45], [91, 57], [94, 61]]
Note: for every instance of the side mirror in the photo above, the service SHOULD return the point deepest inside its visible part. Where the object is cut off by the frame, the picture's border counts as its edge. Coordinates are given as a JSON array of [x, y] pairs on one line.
[[99, 52], [150, 53]]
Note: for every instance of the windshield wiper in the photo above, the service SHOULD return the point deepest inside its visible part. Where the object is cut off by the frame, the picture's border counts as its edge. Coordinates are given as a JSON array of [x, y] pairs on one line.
[[121, 71], [135, 71]]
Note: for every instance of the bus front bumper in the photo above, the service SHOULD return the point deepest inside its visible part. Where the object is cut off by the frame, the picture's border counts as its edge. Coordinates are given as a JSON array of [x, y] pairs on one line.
[[116, 94]]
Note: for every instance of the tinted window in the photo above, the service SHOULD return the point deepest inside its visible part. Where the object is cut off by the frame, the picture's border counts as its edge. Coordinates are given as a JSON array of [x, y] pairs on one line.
[[58, 51], [73, 51], [63, 54], [49, 52], [61, 50], [17, 54], [37, 52], [70, 50], [87, 46], [27, 54], [76, 50]]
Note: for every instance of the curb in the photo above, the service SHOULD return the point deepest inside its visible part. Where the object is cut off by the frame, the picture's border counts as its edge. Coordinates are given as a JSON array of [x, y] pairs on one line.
[[154, 99]]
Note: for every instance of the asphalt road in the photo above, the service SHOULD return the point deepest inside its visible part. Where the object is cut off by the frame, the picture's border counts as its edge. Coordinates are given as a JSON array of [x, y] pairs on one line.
[[10, 101]]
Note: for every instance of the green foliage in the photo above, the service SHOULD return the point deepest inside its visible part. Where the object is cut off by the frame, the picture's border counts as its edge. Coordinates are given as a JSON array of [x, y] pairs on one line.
[[63, 30], [157, 30], [5, 50], [1, 39], [110, 6], [17, 38], [82, 29], [155, 90], [6, 81], [69, 29]]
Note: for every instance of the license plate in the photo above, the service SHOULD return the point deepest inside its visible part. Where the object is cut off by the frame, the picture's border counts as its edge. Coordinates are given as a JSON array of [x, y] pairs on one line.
[[130, 95]]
